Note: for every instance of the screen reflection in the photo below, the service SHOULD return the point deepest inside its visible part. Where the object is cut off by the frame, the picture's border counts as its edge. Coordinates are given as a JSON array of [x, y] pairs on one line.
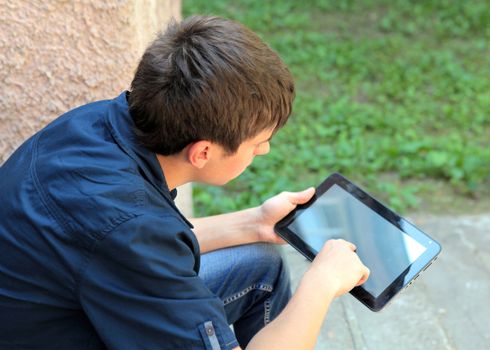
[[382, 247]]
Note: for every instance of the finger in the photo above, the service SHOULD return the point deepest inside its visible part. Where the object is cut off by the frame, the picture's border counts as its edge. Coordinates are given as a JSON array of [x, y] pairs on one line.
[[364, 277], [301, 197], [350, 245]]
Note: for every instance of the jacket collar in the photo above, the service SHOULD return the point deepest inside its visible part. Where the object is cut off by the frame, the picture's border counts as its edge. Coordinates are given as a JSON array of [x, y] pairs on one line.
[[121, 126]]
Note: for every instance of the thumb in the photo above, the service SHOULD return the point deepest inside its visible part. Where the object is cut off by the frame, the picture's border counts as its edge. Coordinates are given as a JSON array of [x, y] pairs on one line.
[[302, 197]]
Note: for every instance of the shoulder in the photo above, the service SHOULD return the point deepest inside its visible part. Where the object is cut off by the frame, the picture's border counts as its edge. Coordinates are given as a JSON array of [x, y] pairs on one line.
[[83, 174]]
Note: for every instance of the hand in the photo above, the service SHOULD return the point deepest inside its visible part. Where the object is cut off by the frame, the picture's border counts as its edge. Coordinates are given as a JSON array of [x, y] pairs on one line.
[[338, 266], [277, 207]]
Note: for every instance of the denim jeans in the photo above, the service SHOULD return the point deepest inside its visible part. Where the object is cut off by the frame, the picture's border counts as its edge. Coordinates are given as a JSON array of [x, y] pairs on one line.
[[253, 282]]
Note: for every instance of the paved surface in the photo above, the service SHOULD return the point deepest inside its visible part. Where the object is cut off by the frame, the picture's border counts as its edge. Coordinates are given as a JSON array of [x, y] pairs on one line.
[[448, 307]]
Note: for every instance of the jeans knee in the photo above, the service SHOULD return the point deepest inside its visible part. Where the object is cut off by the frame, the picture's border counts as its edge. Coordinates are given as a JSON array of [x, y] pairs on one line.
[[238, 270], [269, 260]]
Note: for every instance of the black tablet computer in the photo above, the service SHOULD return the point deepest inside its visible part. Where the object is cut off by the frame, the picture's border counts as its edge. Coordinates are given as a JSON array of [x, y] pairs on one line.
[[392, 248]]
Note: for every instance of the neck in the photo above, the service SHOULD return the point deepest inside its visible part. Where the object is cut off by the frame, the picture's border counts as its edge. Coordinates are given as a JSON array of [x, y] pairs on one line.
[[177, 171]]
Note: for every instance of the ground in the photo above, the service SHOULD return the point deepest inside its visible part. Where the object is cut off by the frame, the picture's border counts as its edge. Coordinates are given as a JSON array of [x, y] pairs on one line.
[[442, 199], [446, 308]]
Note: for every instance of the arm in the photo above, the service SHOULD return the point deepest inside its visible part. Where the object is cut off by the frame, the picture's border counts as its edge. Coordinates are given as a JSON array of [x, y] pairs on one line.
[[249, 225], [140, 290], [335, 271]]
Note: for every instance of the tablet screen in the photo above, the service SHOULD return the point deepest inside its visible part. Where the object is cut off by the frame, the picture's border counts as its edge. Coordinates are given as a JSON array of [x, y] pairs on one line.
[[338, 214]]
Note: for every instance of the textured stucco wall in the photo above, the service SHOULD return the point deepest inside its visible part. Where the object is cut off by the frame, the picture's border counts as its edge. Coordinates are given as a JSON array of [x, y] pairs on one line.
[[58, 54]]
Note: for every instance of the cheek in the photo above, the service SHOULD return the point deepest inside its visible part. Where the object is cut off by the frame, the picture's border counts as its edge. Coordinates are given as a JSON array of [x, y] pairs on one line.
[[244, 162], [241, 162]]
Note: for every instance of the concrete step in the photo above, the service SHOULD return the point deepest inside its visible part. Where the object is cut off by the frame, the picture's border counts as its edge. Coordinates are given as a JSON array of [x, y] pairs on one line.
[[448, 307]]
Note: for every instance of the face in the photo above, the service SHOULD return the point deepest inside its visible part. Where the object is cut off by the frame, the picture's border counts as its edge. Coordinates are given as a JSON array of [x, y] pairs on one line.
[[223, 167]]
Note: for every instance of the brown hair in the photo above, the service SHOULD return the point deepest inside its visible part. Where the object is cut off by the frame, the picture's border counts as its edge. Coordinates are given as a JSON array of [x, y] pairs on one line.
[[208, 78]]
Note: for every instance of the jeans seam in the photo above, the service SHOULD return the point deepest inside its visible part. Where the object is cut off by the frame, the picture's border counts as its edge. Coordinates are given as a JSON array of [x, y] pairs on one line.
[[236, 296], [267, 311]]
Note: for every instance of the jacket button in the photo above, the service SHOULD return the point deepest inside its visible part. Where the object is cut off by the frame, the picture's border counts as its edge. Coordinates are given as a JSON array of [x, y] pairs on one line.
[[210, 330]]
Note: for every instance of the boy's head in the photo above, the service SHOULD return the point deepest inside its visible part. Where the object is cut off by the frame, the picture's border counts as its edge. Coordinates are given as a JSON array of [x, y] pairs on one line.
[[208, 78]]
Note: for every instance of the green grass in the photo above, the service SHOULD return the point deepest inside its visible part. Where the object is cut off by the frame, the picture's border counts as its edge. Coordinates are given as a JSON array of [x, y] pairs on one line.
[[389, 93]]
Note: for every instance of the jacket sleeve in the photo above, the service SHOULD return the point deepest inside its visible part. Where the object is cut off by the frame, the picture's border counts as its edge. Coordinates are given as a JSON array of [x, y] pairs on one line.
[[139, 289]]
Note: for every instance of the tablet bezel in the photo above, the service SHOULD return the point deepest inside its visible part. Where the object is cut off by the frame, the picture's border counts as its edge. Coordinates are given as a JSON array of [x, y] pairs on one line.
[[404, 279]]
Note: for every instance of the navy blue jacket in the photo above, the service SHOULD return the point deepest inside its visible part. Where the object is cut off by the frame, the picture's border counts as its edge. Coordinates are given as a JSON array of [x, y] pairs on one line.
[[93, 252]]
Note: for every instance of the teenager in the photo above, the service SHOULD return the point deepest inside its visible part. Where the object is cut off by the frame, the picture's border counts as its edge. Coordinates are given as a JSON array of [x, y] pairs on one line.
[[93, 252]]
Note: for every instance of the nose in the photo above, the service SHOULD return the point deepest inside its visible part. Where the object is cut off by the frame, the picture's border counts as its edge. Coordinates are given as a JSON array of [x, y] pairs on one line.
[[263, 149]]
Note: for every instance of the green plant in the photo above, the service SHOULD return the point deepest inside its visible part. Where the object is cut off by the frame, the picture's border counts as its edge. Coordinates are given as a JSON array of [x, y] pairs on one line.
[[394, 90]]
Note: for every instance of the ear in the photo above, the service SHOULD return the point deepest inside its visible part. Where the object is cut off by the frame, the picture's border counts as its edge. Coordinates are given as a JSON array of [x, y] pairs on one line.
[[199, 153]]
